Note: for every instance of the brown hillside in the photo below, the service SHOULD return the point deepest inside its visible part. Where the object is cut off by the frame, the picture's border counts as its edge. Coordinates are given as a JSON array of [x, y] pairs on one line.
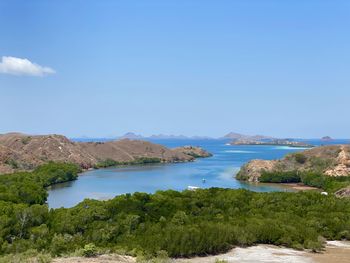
[[25, 152]]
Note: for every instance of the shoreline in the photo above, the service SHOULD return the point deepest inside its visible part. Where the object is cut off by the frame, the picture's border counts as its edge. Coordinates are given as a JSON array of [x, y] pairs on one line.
[[300, 186]]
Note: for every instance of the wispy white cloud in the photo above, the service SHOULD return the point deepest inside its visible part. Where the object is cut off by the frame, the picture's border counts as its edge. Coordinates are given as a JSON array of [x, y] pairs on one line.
[[22, 66]]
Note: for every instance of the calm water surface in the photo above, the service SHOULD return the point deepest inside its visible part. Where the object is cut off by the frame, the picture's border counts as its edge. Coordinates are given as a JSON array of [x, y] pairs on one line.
[[218, 171]]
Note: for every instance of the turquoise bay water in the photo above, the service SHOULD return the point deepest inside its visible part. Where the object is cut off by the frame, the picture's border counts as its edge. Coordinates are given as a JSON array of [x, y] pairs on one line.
[[218, 171]]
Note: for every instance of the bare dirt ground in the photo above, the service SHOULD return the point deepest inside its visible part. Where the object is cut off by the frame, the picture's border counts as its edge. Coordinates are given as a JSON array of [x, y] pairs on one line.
[[100, 259], [300, 187], [336, 251]]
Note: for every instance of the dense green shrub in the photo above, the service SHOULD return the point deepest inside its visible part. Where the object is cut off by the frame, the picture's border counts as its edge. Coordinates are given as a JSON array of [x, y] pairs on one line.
[[54, 173], [28, 187], [140, 160], [300, 158], [280, 177], [168, 223], [309, 178], [89, 250]]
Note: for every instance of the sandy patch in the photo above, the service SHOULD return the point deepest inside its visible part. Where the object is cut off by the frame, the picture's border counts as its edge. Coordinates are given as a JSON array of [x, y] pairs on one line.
[[300, 187], [336, 251], [100, 259], [261, 254]]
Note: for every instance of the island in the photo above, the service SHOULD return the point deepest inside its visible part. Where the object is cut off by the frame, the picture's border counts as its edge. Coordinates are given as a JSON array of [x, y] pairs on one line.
[[275, 142], [22, 152]]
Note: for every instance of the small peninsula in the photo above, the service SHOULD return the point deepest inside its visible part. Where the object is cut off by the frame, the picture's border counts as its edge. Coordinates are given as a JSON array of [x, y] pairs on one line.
[[22, 152], [326, 167]]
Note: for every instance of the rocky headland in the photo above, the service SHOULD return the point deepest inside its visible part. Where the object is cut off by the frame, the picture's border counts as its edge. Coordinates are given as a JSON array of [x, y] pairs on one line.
[[21, 152], [331, 160]]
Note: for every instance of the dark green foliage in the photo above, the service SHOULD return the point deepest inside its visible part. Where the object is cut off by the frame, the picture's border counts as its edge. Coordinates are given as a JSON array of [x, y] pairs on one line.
[[168, 223], [314, 179], [145, 160], [328, 183], [26, 140], [12, 163], [22, 188], [54, 173], [26, 187], [280, 177], [107, 163], [300, 158], [140, 160]]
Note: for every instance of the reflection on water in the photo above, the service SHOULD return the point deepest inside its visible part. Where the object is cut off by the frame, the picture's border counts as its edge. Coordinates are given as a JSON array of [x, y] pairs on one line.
[[218, 171]]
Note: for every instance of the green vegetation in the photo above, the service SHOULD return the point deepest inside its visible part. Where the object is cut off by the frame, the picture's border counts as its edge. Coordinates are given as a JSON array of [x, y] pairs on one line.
[[26, 140], [320, 164], [167, 223], [141, 160], [12, 163], [280, 177], [314, 179], [29, 188], [89, 250], [300, 158]]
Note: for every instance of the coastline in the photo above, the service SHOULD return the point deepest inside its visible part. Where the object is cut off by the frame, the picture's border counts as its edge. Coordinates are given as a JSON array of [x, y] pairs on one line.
[[300, 186]]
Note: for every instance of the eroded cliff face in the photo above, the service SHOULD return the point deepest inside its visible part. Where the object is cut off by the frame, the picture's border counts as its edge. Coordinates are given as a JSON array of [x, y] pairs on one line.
[[331, 160], [20, 152]]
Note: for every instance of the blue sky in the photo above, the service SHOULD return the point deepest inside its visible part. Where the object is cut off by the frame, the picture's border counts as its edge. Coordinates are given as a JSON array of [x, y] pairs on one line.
[[103, 68]]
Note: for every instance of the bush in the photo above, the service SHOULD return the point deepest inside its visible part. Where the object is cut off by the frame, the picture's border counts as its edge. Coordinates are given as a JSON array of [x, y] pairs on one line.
[[89, 250], [300, 158], [177, 224], [280, 177]]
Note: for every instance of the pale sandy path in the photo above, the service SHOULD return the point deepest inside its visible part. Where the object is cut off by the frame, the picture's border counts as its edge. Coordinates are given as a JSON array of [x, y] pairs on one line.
[[261, 254], [336, 251]]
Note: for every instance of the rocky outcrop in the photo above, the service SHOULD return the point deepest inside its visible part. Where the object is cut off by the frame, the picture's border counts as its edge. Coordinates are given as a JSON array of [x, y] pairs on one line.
[[333, 160], [25, 152], [252, 170], [342, 167], [196, 152], [345, 192]]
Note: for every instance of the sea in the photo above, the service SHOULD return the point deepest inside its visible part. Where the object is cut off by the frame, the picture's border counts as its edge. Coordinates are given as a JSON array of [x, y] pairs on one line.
[[216, 171]]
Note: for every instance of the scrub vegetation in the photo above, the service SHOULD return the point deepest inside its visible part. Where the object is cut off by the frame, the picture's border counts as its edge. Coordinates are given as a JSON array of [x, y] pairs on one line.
[[314, 179], [167, 223]]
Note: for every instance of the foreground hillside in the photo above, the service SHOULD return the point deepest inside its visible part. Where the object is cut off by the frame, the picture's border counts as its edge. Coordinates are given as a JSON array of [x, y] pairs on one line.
[[24, 152], [167, 223]]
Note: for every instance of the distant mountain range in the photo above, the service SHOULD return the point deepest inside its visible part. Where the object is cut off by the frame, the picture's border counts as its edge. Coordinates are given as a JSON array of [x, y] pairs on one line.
[[233, 136]]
